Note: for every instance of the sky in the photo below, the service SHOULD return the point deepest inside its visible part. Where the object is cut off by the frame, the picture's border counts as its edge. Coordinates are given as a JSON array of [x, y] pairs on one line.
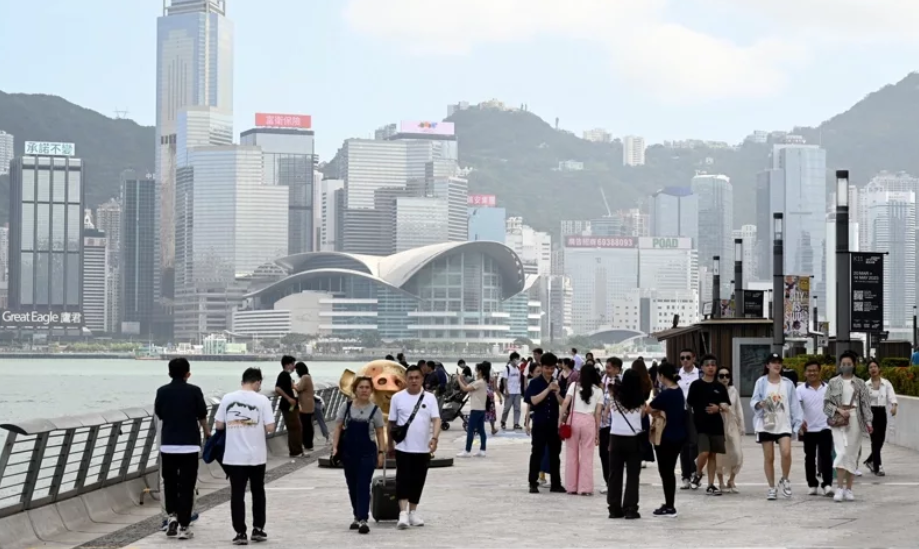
[[663, 69]]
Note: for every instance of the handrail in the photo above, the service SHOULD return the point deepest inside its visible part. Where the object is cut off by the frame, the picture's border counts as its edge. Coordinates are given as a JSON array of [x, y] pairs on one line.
[[45, 461]]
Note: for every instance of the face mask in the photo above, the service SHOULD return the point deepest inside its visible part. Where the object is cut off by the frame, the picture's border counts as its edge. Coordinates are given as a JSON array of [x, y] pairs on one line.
[[846, 369]]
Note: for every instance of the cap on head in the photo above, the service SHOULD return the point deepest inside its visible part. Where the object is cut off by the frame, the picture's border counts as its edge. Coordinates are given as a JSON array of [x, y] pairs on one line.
[[774, 358]]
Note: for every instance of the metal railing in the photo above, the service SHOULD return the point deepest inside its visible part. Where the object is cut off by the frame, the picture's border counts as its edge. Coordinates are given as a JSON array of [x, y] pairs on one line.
[[44, 461]]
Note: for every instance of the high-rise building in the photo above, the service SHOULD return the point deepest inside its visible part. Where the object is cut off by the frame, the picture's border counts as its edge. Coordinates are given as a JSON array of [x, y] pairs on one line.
[[289, 157], [487, 223], [674, 212], [633, 150], [597, 135], [419, 221], [108, 220], [747, 234], [716, 223], [891, 228], [95, 278], [329, 225], [533, 247], [4, 252], [138, 251], [443, 181], [575, 227], [194, 67], [627, 222], [7, 151]]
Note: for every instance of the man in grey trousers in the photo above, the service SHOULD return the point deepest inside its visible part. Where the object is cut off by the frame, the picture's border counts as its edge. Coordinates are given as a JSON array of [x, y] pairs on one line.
[[510, 382]]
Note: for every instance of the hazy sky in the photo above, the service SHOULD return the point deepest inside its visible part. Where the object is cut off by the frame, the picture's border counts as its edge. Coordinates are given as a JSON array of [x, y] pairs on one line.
[[664, 69]]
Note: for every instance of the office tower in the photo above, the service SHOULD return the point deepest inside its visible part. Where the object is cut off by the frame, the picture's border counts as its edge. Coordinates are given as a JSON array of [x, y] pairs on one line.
[[597, 135], [137, 254], [716, 223], [487, 223], [95, 279], [650, 311], [289, 156], [674, 212], [747, 234], [419, 221], [108, 220], [628, 222], [46, 234], [7, 151], [891, 228], [533, 247], [884, 181], [442, 180], [4, 252], [368, 165], [328, 234], [385, 132], [194, 67], [575, 227], [633, 151], [667, 264]]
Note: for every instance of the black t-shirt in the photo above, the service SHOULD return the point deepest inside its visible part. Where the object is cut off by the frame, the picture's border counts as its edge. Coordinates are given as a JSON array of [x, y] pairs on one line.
[[701, 395], [431, 382], [790, 374], [287, 385]]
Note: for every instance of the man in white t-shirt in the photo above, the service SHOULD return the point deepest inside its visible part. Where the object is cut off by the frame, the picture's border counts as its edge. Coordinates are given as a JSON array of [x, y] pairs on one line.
[[690, 451], [578, 359], [510, 381], [413, 454], [818, 438], [247, 417]]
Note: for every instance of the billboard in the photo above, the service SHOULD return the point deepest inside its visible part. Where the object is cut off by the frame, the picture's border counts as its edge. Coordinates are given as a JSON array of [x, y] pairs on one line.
[[425, 127], [271, 120], [481, 200], [609, 242], [664, 243], [50, 148], [752, 303], [51, 319], [867, 292], [797, 306]]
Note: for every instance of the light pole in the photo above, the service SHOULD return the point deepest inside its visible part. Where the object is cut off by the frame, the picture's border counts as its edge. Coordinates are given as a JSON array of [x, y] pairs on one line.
[[843, 267], [816, 326], [738, 278], [914, 327], [716, 287], [778, 283]]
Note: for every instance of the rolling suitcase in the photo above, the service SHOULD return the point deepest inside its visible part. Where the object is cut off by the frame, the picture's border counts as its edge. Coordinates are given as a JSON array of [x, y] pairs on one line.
[[383, 502]]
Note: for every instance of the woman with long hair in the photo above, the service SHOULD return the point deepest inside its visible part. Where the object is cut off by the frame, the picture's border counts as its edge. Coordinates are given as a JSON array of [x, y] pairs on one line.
[[647, 388], [306, 397], [730, 462], [478, 404], [627, 410], [882, 396], [583, 405], [358, 442], [670, 405], [848, 409], [567, 375]]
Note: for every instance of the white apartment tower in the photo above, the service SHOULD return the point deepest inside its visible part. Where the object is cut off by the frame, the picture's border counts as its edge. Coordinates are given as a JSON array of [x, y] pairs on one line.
[[7, 151], [533, 247], [633, 150]]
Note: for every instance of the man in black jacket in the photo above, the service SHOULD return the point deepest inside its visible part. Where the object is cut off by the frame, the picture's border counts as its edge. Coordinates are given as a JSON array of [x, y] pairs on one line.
[[180, 408]]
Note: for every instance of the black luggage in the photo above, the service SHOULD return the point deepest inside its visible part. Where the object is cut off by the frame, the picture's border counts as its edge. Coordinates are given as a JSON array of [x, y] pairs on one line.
[[383, 502]]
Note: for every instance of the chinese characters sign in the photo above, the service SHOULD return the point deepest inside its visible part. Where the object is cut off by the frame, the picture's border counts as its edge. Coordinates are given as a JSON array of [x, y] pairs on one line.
[[428, 128], [481, 200], [42, 318], [50, 148], [867, 292], [797, 306], [298, 121], [600, 242]]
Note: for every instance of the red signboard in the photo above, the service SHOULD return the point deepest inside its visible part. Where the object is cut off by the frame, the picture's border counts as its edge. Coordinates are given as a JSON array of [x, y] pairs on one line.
[[271, 120], [481, 200], [600, 242]]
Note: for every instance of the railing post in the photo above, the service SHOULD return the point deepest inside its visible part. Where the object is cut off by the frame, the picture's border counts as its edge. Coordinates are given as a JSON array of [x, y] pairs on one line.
[[148, 447], [129, 448], [28, 485], [63, 457], [83, 471], [106, 466]]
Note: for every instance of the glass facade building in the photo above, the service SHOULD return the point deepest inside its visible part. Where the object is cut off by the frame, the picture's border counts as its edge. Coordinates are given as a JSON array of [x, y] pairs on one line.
[[675, 213], [487, 224], [137, 254], [716, 223]]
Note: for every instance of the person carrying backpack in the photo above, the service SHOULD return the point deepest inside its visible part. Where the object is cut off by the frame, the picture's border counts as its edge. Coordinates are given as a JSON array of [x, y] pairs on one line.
[[510, 384]]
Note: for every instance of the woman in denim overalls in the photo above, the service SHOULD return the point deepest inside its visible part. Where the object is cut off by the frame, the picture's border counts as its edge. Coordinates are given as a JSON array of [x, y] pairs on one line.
[[359, 422]]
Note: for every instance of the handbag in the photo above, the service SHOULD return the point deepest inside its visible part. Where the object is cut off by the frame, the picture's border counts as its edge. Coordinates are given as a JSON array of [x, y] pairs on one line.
[[335, 458], [839, 420], [399, 432], [564, 430]]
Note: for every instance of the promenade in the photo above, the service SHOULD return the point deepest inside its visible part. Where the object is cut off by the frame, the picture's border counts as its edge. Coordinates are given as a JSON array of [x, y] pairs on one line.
[[484, 503]]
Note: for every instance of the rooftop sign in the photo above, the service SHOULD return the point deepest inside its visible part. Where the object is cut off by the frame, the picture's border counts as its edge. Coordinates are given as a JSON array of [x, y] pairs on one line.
[[424, 127], [49, 148], [297, 121], [600, 242]]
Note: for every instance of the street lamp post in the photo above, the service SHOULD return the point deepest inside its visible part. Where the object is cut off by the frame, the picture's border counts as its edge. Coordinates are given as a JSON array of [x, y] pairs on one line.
[[778, 283], [716, 287], [738, 278], [843, 267], [914, 328], [816, 326]]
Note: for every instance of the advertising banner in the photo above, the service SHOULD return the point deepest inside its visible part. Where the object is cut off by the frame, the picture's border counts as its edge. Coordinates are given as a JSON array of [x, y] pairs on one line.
[[664, 243], [271, 120], [600, 242], [797, 306], [753, 301], [50, 148], [481, 200], [867, 292], [426, 127]]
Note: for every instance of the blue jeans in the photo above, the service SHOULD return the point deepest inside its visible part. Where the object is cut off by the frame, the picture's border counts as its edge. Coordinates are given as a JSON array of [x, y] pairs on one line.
[[359, 475], [476, 423]]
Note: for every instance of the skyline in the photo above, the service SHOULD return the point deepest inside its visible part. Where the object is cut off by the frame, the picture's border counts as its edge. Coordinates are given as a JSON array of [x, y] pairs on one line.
[[354, 68]]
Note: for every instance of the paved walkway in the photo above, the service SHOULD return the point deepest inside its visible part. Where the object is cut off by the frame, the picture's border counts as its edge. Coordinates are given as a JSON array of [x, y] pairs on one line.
[[484, 503]]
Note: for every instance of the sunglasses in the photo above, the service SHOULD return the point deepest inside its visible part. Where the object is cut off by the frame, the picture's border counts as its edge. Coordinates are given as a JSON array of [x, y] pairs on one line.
[[724, 376], [686, 357]]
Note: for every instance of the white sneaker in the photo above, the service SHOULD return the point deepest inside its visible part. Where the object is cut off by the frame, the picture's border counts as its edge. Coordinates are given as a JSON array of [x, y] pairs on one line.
[[603, 490], [463, 454], [786, 487], [480, 454], [414, 519], [840, 494], [772, 494], [849, 495], [828, 491], [858, 472], [686, 484], [812, 491], [403, 521], [185, 532]]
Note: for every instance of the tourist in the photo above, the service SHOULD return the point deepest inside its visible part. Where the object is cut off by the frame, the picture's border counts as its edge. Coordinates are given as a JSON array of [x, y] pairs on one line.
[[576, 360], [511, 387], [442, 377], [707, 399], [287, 405], [306, 398], [730, 462], [247, 417], [670, 405], [647, 388], [882, 397], [818, 438], [319, 416], [544, 397], [535, 371], [491, 414], [431, 379], [413, 412], [847, 406], [611, 376], [567, 376], [359, 438], [478, 403], [180, 409], [582, 408], [628, 407], [688, 374], [400, 358], [776, 415]]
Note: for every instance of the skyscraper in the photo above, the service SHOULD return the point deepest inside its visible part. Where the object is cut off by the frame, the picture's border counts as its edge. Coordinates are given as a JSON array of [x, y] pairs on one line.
[[137, 258], [633, 150], [95, 269], [716, 223], [329, 224], [108, 220], [674, 212], [7, 152], [891, 228]]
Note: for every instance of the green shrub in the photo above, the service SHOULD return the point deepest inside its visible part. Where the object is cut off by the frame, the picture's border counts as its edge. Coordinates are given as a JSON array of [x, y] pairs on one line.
[[903, 377]]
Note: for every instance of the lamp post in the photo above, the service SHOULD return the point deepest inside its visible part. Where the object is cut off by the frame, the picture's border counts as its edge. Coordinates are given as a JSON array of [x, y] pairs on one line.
[[738, 278], [716, 287], [778, 283], [914, 328], [843, 267], [816, 326]]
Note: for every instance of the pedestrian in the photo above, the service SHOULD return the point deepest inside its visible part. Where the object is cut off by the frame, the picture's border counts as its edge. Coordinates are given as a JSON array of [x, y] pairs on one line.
[[776, 415], [431, 382], [818, 438], [181, 410], [511, 387], [582, 407], [670, 406], [544, 396], [491, 413], [610, 377], [319, 416], [306, 400], [247, 418], [478, 403], [289, 407], [576, 360], [847, 406], [628, 407], [707, 399], [882, 397], [535, 371], [567, 375], [731, 461], [688, 374], [358, 442], [647, 389], [413, 414]]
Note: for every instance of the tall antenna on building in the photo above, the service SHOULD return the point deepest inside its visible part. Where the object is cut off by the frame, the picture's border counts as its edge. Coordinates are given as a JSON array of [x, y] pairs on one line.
[[121, 114]]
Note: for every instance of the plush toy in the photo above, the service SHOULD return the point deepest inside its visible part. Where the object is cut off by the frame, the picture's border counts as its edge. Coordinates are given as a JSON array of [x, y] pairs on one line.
[[388, 379]]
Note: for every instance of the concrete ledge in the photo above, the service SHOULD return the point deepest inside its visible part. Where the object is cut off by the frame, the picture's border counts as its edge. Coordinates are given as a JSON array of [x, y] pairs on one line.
[[904, 429], [75, 517], [49, 526], [16, 532]]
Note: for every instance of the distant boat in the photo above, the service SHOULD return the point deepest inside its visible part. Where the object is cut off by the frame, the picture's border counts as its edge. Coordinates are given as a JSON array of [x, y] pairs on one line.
[[147, 353]]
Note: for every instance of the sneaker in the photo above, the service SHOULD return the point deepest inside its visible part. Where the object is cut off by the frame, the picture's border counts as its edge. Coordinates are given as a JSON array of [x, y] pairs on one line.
[[534, 489], [786, 487], [517, 428], [840, 495], [355, 524], [772, 494], [665, 512], [414, 519], [849, 495], [194, 516], [618, 514], [558, 490], [812, 491], [363, 528], [880, 472], [696, 482], [686, 484], [172, 529], [259, 535], [858, 472], [828, 491], [403, 521], [632, 515], [241, 539], [504, 427], [870, 466], [185, 532], [542, 480], [604, 491], [713, 491], [480, 454], [464, 454], [732, 488]]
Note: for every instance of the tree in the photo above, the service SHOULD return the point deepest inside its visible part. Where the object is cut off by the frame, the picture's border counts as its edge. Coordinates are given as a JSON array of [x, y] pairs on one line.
[[521, 341], [581, 342], [294, 340]]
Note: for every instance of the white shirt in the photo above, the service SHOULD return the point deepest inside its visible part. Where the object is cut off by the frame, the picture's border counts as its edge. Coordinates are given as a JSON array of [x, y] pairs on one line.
[[578, 362], [884, 397], [812, 404], [686, 379], [511, 376], [418, 438], [596, 399], [246, 414], [775, 393], [627, 426]]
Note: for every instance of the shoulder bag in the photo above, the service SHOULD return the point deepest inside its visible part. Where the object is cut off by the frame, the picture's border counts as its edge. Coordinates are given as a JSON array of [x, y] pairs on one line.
[[621, 413], [399, 432], [839, 420], [564, 430], [339, 448]]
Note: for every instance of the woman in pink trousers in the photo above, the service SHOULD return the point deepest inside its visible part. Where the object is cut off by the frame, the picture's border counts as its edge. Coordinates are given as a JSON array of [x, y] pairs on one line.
[[584, 402]]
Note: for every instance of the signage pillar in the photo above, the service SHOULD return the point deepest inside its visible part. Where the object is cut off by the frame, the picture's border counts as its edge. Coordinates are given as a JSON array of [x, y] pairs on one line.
[[716, 287], [778, 284], [843, 268], [738, 278]]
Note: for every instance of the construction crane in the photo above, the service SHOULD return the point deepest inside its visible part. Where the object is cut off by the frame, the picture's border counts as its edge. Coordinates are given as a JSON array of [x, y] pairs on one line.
[[609, 212]]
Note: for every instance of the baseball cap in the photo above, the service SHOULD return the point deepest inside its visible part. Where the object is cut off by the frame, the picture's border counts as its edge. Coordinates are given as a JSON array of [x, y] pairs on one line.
[[774, 357]]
